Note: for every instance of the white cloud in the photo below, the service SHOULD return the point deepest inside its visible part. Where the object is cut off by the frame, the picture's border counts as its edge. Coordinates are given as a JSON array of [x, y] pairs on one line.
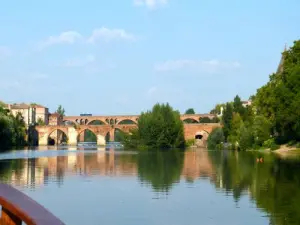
[[72, 37], [195, 65], [150, 3], [80, 62], [4, 52], [68, 37], [107, 34]]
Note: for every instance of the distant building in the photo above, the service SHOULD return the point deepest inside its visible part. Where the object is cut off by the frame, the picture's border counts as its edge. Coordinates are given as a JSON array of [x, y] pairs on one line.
[[55, 119], [31, 113], [41, 113], [246, 103]]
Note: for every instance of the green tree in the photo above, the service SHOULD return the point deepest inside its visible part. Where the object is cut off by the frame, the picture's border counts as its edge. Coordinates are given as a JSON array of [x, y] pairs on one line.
[[190, 111], [238, 106], [217, 109], [12, 130], [40, 122], [279, 99], [60, 110], [236, 123], [215, 138], [261, 129], [246, 139], [226, 119], [160, 128]]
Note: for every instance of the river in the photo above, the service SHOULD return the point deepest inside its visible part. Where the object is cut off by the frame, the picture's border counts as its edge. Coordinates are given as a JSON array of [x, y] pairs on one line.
[[130, 188]]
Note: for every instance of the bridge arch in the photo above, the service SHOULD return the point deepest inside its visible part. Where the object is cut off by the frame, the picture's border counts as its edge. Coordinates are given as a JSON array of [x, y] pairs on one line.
[[118, 134], [56, 137], [96, 122], [190, 120], [126, 121], [201, 135], [201, 138], [69, 123], [86, 135]]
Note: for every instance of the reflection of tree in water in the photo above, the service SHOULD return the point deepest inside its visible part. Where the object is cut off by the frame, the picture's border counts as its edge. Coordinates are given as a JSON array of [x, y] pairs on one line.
[[160, 169], [7, 167], [274, 184]]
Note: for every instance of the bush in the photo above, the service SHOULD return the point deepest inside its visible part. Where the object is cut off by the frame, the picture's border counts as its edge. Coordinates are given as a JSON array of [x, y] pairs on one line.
[[269, 143], [160, 128], [298, 145], [190, 143], [215, 138], [246, 138], [291, 143], [275, 147]]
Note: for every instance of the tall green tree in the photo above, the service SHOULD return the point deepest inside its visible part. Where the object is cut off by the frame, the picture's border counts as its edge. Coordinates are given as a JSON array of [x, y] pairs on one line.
[[190, 111], [160, 128], [226, 119], [238, 106], [12, 130], [279, 99], [60, 110], [215, 138]]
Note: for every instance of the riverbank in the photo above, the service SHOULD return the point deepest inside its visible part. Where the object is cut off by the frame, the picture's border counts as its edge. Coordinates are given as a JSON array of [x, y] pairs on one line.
[[286, 151], [283, 151]]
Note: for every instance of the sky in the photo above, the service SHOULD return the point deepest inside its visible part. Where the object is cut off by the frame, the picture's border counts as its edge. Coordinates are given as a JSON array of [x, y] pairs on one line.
[[119, 57]]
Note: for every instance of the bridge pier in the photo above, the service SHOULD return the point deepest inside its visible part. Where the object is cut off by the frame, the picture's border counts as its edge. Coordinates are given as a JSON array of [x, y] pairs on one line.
[[43, 141], [101, 140], [112, 135], [72, 135]]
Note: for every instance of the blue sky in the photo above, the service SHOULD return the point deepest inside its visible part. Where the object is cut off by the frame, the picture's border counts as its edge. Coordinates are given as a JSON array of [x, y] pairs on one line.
[[123, 56]]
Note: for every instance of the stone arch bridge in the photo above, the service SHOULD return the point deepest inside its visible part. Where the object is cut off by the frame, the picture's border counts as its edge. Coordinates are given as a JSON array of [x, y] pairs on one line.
[[115, 120], [74, 126]]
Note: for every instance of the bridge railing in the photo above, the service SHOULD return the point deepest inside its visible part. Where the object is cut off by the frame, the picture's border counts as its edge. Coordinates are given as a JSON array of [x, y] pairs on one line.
[[18, 207]]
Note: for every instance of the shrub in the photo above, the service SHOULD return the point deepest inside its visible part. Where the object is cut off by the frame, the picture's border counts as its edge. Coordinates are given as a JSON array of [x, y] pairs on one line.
[[215, 138], [160, 128], [269, 143], [275, 147], [291, 143], [190, 143]]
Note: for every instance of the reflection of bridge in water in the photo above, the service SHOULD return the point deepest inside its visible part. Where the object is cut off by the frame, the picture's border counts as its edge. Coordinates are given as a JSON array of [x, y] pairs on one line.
[[39, 171]]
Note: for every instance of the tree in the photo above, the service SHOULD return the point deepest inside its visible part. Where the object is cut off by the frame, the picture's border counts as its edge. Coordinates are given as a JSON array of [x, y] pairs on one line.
[[190, 111], [160, 128], [279, 99], [60, 110], [246, 138], [226, 119], [218, 109], [234, 133], [238, 106], [12, 130], [215, 138], [261, 129], [40, 122]]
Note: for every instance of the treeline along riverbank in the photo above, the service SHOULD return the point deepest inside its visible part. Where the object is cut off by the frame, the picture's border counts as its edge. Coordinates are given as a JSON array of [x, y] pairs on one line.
[[272, 119]]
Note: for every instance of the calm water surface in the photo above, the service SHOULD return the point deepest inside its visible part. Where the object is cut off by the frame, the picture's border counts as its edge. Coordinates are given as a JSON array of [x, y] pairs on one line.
[[191, 188]]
